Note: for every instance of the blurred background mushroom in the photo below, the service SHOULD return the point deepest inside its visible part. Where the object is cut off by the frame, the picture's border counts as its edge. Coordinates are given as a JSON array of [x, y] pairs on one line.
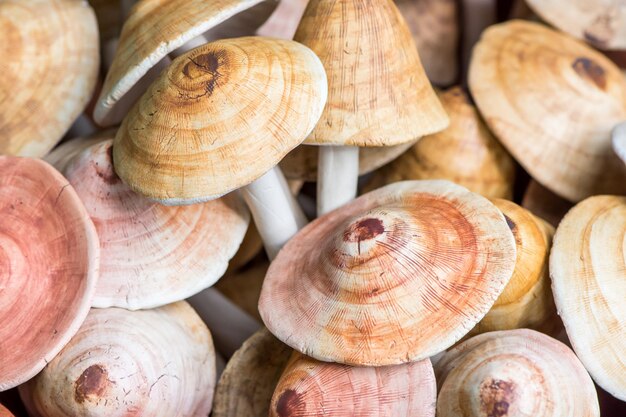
[[619, 141]]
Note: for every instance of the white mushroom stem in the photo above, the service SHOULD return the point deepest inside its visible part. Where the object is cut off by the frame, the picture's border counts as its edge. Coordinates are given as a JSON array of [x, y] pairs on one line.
[[477, 16], [619, 141], [337, 177], [82, 127]]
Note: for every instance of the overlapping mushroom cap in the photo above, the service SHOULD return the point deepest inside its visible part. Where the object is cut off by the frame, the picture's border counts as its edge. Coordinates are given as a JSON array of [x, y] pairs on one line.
[[589, 285], [45, 84], [4, 412], [398, 275], [49, 257]]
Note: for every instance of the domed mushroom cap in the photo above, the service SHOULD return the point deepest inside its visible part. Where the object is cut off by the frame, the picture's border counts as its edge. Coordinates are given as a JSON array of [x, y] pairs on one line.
[[312, 388], [152, 254], [157, 362], [374, 75], [4, 412], [589, 284], [45, 85], [219, 117], [619, 141], [48, 266], [521, 72], [397, 275], [514, 373]]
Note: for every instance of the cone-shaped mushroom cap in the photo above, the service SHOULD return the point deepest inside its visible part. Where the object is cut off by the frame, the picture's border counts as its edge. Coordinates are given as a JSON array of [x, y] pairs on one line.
[[158, 362], [619, 141], [465, 153], [602, 23], [152, 254], [397, 275], [589, 284], [154, 29], [514, 373], [48, 266], [521, 72], [4, 412], [311, 388], [45, 84], [219, 117], [248, 382], [374, 75]]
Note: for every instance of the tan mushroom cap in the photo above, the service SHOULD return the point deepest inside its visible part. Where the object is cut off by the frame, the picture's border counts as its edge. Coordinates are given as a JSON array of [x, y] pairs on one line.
[[219, 117], [378, 92], [587, 266], [49, 258], [4, 412], [514, 373], [248, 382], [552, 101], [45, 84], [311, 388], [465, 153], [157, 27], [158, 362], [395, 276]]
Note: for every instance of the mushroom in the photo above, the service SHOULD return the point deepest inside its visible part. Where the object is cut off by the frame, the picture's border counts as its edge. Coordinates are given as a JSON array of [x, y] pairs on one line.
[[544, 203], [374, 77], [589, 285], [465, 153], [284, 21], [523, 71], [244, 287], [514, 373], [619, 141], [45, 85], [5, 412], [61, 156], [157, 362], [49, 258], [396, 276], [311, 388]]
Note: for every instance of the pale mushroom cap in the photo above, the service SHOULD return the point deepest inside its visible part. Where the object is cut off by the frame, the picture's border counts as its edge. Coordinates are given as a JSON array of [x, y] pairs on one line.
[[589, 285], [45, 84], [219, 117], [49, 257], [61, 156], [158, 362], [395, 276], [619, 141], [552, 101], [514, 373], [374, 75]]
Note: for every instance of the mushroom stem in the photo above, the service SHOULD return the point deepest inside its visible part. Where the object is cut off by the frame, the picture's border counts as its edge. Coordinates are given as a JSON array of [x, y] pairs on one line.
[[337, 177], [82, 127], [476, 16], [276, 212], [619, 140]]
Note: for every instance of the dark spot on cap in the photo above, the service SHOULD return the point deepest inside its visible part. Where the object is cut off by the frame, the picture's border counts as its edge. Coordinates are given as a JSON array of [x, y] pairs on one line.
[[92, 382], [510, 222], [364, 229], [587, 68], [106, 171], [594, 39], [208, 63], [289, 403], [495, 397]]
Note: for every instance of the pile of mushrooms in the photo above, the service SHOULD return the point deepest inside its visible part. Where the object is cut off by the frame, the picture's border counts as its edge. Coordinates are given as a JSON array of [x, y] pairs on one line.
[[298, 208]]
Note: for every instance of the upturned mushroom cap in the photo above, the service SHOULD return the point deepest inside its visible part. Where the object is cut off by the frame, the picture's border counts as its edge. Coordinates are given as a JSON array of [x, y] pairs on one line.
[[45, 85], [374, 75], [589, 285], [4, 412], [395, 276], [521, 72], [152, 254], [465, 153], [49, 257], [619, 141], [310, 388], [157, 362], [219, 117], [514, 373]]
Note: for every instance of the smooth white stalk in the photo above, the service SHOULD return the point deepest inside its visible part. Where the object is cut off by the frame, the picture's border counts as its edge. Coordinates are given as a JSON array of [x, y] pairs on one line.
[[337, 177], [619, 141], [477, 16]]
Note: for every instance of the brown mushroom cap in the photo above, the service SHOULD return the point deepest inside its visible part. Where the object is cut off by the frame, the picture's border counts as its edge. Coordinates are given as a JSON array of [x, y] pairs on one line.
[[552, 101], [589, 285], [45, 84], [49, 257], [397, 275], [4, 412]]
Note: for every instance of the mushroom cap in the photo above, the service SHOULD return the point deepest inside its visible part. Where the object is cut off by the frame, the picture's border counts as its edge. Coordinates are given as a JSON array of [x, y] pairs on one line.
[[514, 373], [601, 23], [589, 285], [619, 141], [219, 117], [522, 71], [49, 257], [152, 254], [4, 412], [45, 84], [247, 384], [158, 362], [63, 154], [374, 76], [395, 276], [312, 388], [155, 28]]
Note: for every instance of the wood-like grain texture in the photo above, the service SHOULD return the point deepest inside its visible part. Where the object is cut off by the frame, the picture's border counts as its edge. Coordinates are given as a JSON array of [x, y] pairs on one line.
[[48, 72], [552, 101], [49, 258]]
